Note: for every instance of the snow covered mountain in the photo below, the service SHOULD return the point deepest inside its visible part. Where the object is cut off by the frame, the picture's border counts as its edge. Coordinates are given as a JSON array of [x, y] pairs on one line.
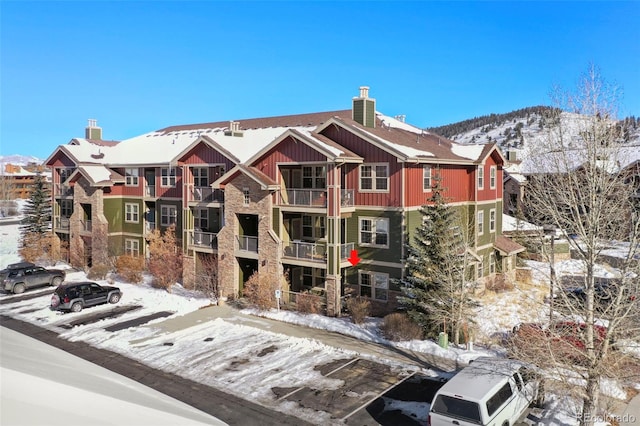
[[19, 160]]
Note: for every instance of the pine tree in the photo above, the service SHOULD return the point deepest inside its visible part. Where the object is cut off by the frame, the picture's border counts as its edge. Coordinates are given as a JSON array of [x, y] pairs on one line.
[[435, 291], [37, 209]]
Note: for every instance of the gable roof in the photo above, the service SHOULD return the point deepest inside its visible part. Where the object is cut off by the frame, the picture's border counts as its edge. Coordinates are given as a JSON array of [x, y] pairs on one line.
[[507, 246], [97, 175], [252, 172]]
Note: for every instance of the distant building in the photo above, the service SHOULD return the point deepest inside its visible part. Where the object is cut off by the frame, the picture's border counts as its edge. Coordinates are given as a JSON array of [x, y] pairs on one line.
[[16, 181]]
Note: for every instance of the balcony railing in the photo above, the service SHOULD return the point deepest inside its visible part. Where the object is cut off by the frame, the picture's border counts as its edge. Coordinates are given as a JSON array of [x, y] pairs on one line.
[[62, 223], [346, 197], [206, 195], [149, 226], [247, 243], [203, 239], [345, 250], [304, 197], [150, 191], [86, 225], [63, 190], [303, 250]]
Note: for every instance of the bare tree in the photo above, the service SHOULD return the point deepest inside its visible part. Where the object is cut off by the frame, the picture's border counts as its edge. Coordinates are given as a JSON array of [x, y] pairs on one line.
[[165, 260], [577, 184], [206, 279]]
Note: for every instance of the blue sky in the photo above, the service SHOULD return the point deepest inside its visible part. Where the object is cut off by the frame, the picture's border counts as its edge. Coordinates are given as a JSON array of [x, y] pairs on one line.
[[141, 66]]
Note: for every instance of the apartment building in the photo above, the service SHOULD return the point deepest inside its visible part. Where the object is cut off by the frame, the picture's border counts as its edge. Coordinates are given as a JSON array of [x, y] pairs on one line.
[[292, 195]]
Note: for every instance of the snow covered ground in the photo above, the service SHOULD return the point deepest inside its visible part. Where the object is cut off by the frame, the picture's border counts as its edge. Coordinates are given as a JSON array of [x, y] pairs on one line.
[[207, 352]]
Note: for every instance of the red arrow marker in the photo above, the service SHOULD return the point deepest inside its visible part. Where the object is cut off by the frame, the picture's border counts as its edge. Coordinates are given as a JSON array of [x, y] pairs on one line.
[[354, 259]]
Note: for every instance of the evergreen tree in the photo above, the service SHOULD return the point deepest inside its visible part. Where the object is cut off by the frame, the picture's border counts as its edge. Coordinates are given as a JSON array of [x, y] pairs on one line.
[[37, 210], [435, 291]]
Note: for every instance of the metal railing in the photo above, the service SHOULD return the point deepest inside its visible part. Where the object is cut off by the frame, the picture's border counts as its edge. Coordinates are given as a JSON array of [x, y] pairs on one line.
[[150, 191], [86, 225], [345, 250], [149, 226], [203, 239], [206, 195], [304, 197], [63, 190], [303, 250], [346, 197], [247, 243], [62, 223]]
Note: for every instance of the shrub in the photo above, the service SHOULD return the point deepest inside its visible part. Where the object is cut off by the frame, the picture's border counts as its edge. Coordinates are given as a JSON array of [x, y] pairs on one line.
[[98, 272], [499, 283], [398, 327], [309, 303], [359, 308], [130, 268], [165, 260], [260, 290]]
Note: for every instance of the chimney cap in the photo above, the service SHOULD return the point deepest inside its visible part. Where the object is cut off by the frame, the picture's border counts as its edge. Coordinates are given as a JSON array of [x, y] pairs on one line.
[[364, 91]]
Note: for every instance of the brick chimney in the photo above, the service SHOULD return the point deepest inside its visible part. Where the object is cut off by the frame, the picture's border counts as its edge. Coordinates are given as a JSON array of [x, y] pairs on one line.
[[364, 108], [92, 131]]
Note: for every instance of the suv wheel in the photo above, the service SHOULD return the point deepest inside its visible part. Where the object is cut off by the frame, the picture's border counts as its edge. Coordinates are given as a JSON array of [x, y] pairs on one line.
[[56, 281], [18, 288], [114, 298], [76, 307]]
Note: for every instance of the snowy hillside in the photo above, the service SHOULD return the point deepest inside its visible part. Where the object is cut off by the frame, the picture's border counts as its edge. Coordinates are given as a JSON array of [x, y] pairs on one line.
[[514, 129], [19, 160]]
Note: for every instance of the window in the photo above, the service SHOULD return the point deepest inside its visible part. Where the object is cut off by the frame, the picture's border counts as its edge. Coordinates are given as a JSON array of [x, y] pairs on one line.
[[374, 231], [426, 178], [492, 177], [492, 263], [313, 277], [66, 208], [313, 226], [492, 220], [246, 197], [64, 174], [200, 177], [480, 270], [480, 177], [131, 177], [374, 177], [497, 400], [201, 219], [314, 177], [168, 177], [168, 215], [131, 212], [458, 408], [480, 222], [374, 285], [131, 247]]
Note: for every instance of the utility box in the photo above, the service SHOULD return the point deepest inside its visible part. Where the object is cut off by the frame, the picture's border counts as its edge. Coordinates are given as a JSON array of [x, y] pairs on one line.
[[443, 340]]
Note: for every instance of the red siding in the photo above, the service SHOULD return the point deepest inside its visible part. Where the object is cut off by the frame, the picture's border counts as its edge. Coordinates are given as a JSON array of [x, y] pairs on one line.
[[289, 150], [488, 193], [205, 154], [456, 180], [371, 154]]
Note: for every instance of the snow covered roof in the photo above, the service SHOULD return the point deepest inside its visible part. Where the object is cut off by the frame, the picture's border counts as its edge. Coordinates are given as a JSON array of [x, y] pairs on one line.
[[97, 175], [511, 224]]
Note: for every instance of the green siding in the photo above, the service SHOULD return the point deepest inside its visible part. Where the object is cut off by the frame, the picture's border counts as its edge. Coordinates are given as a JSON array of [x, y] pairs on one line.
[[370, 114], [358, 110], [114, 212], [391, 254], [275, 224], [395, 274]]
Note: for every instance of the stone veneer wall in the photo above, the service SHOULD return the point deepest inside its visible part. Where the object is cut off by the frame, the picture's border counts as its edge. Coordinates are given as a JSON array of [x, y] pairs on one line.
[[269, 248], [83, 193]]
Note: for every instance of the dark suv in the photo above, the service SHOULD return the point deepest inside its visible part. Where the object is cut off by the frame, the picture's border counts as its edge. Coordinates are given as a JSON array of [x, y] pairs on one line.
[[75, 296], [18, 277]]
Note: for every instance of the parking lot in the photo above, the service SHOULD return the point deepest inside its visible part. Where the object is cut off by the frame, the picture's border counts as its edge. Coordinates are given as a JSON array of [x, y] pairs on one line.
[[359, 391]]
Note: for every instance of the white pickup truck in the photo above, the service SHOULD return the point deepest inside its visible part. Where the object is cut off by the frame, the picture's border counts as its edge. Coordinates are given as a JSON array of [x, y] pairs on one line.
[[490, 391]]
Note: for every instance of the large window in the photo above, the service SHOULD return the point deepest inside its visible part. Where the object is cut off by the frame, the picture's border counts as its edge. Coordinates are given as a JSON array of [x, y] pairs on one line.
[[200, 177], [131, 177], [492, 220], [314, 177], [492, 177], [201, 219], [131, 212], [480, 177], [480, 222], [64, 174], [66, 208], [168, 177], [492, 263], [313, 226], [168, 215], [374, 177], [374, 232], [426, 178], [131, 247], [374, 285], [313, 277]]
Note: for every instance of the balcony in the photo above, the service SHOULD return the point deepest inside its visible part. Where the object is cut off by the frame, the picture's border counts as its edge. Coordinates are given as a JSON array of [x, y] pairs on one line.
[[61, 190], [346, 197], [62, 223], [345, 250], [304, 197], [149, 226], [204, 239], [150, 191], [247, 243], [304, 250], [86, 225], [206, 195]]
